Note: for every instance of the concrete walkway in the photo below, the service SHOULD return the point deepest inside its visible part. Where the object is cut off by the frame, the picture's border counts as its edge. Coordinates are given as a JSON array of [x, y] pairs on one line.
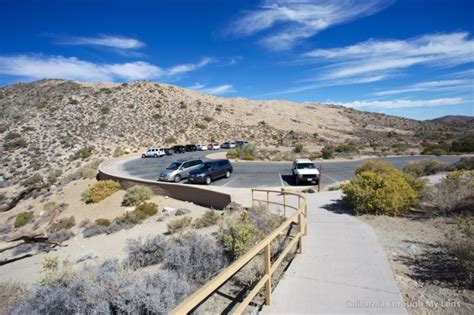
[[343, 268]]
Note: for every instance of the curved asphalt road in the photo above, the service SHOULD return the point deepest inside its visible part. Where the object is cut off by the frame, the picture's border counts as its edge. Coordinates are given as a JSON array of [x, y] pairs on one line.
[[263, 174]]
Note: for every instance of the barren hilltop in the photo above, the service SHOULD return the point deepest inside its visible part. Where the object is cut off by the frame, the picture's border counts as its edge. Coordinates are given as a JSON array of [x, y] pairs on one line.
[[49, 123]]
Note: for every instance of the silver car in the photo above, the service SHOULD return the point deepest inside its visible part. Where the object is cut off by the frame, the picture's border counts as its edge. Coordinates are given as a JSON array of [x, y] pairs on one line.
[[179, 170]]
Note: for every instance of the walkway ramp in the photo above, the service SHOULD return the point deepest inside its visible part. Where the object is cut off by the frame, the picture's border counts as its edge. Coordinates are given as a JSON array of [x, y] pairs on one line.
[[343, 268]]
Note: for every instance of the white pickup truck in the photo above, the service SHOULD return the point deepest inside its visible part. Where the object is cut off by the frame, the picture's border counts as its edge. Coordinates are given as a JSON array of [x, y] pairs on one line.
[[305, 172], [154, 152]]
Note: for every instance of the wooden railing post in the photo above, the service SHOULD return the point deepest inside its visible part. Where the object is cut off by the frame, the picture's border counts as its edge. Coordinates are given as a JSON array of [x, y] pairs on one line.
[[284, 201], [268, 283], [300, 231]]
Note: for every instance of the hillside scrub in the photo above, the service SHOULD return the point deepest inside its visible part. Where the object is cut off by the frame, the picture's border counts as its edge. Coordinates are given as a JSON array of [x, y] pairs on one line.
[[379, 188], [426, 167], [100, 190], [23, 218], [209, 218], [136, 194], [246, 152]]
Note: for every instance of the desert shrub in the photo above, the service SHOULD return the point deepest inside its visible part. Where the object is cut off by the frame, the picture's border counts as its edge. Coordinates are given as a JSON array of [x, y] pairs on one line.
[[207, 118], [346, 148], [105, 110], [60, 235], [130, 218], [465, 163], [148, 208], [434, 149], [178, 225], [102, 222], [170, 140], [136, 195], [246, 152], [379, 192], [53, 176], [118, 152], [377, 166], [88, 172], [94, 230], [33, 180], [455, 192], [465, 145], [23, 218], [181, 211], [232, 154], [23, 249], [210, 217], [425, 167], [201, 126], [11, 293], [100, 190], [298, 148], [264, 220], [13, 140], [249, 275], [62, 224], [196, 257], [144, 253], [460, 244], [327, 152], [83, 153], [182, 105], [118, 225], [237, 237]]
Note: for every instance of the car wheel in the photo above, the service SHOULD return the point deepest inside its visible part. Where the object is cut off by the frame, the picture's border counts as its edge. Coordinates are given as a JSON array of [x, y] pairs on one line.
[[177, 179], [227, 174], [208, 180], [155, 155], [143, 156]]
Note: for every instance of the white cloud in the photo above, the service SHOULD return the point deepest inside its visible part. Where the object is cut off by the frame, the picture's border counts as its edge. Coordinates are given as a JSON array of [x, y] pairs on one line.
[[180, 69], [106, 41], [374, 57], [403, 103], [298, 20], [58, 67], [433, 86], [216, 90]]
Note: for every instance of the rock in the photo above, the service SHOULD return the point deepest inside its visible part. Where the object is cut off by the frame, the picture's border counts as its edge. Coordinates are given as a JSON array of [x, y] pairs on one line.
[[181, 211], [168, 210], [412, 248], [86, 255]]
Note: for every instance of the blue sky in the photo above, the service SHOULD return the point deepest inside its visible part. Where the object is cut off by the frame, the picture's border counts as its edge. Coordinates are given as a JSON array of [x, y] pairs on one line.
[[412, 58]]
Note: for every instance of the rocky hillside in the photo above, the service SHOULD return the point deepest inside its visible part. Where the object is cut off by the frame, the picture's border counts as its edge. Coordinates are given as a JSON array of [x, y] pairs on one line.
[[455, 120], [56, 126]]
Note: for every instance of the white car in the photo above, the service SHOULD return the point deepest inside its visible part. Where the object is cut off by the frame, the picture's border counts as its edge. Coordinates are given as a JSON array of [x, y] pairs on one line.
[[304, 172], [202, 147], [213, 146], [154, 152]]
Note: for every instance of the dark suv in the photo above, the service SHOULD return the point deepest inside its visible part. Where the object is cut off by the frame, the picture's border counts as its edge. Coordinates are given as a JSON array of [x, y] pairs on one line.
[[179, 149], [191, 148], [211, 170]]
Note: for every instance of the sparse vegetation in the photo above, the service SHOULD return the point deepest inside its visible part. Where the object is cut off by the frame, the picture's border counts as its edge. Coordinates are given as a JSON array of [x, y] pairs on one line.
[[327, 152], [209, 218], [100, 190], [23, 218], [246, 152], [142, 253], [62, 224], [298, 148], [102, 222], [170, 140], [426, 167], [178, 225], [136, 195], [83, 153]]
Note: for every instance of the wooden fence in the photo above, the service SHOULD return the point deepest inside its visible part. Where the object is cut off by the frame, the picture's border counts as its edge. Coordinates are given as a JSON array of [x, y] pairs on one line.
[[299, 217]]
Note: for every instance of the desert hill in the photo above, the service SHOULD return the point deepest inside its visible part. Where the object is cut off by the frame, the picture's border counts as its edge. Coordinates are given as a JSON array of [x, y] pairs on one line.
[[45, 124], [455, 120]]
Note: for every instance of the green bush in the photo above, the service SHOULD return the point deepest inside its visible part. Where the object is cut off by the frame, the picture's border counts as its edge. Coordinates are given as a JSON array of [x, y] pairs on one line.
[[148, 208], [465, 163], [178, 225], [426, 167], [100, 190], [347, 148], [23, 218], [33, 180], [379, 188], [118, 152], [298, 148], [327, 152], [201, 126], [170, 140], [13, 140], [209, 218], [102, 222], [246, 152], [105, 110], [136, 195], [83, 153], [238, 237], [465, 145]]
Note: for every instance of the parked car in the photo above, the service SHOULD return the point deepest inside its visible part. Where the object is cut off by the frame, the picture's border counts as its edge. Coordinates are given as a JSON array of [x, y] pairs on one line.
[[228, 145], [213, 146], [210, 171], [153, 152], [191, 148], [179, 170], [241, 143], [202, 147], [178, 149], [304, 171], [169, 151]]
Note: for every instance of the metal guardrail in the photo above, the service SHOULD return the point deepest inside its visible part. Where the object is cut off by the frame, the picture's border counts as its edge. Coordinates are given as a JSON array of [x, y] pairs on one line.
[[300, 217]]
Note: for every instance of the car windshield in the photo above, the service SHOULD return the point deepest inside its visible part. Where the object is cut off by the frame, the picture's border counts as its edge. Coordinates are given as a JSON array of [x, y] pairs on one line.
[[305, 166], [173, 166]]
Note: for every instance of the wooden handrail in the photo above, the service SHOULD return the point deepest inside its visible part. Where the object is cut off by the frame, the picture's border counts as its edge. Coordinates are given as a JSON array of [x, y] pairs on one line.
[[300, 216]]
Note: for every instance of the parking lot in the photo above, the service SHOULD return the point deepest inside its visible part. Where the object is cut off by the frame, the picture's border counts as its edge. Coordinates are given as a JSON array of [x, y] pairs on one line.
[[262, 174]]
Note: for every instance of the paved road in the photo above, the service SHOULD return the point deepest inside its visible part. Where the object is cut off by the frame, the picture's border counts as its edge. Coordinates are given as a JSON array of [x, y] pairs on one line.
[[261, 174]]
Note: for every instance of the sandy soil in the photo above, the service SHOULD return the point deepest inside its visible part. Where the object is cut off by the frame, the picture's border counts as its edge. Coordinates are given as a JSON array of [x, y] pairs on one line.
[[422, 269], [99, 247]]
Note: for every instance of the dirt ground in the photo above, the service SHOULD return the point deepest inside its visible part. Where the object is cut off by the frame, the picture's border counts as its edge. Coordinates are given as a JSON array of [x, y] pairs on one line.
[[429, 279]]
